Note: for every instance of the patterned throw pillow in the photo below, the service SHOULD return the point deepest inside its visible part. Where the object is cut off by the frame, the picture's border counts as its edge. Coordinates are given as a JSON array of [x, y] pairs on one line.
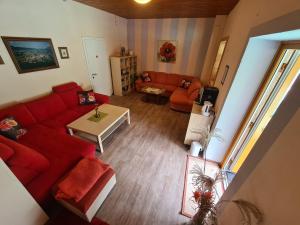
[[10, 128], [146, 77], [185, 84], [86, 97]]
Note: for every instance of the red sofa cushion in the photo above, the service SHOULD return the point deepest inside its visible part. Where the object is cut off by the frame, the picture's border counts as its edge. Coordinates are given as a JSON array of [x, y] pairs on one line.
[[21, 113], [85, 203], [195, 85], [46, 107], [81, 179], [60, 121], [180, 97], [65, 87], [70, 97], [5, 152], [63, 152], [25, 163], [83, 109], [101, 99], [68, 93]]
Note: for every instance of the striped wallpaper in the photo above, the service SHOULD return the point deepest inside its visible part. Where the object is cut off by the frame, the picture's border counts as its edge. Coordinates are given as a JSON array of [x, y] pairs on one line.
[[192, 36]]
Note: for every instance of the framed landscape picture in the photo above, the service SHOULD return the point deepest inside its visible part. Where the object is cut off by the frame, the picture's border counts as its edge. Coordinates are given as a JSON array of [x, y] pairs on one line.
[[31, 54], [167, 51]]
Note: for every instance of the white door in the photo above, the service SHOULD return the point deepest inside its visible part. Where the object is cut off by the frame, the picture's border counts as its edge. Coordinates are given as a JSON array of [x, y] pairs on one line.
[[98, 65]]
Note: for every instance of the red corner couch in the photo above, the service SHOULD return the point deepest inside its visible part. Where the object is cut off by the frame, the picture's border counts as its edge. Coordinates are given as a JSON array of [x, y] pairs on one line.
[[46, 152], [180, 99]]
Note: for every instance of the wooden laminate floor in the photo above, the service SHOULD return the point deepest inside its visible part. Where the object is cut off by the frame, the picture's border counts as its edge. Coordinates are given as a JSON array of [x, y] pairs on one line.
[[149, 159]]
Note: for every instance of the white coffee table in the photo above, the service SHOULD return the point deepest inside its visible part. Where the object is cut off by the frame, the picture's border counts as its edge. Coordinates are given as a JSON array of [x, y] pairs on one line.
[[99, 131]]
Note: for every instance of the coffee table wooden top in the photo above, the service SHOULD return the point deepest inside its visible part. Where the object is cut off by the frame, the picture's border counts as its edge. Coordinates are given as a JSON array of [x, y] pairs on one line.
[[153, 91], [114, 113]]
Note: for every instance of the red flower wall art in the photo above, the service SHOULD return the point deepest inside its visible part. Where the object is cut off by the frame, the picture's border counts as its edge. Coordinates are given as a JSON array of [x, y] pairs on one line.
[[167, 51]]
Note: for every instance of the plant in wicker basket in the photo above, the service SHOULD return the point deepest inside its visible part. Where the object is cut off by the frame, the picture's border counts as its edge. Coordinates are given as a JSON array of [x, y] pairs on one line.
[[204, 196]]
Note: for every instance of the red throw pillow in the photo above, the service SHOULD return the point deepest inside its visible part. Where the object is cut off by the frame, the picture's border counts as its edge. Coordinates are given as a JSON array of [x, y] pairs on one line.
[[81, 179], [5, 152], [185, 84], [10, 128], [146, 77], [86, 97]]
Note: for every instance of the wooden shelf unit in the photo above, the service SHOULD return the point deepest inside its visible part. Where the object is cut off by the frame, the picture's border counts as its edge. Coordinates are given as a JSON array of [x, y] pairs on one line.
[[124, 70]]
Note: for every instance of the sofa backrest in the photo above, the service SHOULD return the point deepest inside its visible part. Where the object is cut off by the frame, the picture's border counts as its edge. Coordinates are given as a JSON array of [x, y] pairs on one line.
[[24, 162], [68, 93], [46, 107], [21, 113], [168, 78], [194, 89]]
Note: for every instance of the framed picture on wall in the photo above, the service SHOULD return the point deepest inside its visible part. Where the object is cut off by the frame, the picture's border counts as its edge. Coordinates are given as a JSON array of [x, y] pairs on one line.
[[63, 51], [167, 51], [1, 60], [31, 54]]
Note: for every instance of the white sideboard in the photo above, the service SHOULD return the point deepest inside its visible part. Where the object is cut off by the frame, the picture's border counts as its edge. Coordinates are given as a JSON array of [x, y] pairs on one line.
[[197, 123], [17, 206]]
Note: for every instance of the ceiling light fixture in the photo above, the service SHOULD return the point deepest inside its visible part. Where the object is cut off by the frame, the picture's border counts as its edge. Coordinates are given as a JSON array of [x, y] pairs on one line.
[[142, 1]]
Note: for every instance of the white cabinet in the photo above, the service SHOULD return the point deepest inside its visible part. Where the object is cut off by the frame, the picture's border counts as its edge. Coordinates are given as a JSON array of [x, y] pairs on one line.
[[17, 205], [123, 71], [197, 123]]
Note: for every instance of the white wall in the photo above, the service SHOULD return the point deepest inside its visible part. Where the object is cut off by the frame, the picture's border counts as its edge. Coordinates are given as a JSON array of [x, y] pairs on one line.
[[244, 17], [17, 205], [65, 23], [273, 185], [192, 36], [216, 36], [253, 67]]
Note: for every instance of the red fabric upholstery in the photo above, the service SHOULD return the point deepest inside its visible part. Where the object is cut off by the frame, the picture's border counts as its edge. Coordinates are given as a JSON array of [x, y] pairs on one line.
[[70, 97], [25, 163], [46, 107], [5, 152], [195, 85], [68, 93], [21, 113], [46, 140], [101, 99], [60, 121], [65, 87], [63, 152], [84, 204], [83, 109], [180, 99], [81, 179]]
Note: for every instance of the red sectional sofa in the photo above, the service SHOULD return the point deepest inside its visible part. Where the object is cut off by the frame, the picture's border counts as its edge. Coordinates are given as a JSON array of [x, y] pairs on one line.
[[46, 152], [180, 99]]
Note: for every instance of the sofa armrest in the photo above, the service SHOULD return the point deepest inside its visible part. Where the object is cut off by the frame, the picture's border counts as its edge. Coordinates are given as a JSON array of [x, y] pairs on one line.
[[139, 81], [102, 98]]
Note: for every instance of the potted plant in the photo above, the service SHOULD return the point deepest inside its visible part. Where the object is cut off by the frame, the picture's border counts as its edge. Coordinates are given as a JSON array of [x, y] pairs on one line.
[[205, 191]]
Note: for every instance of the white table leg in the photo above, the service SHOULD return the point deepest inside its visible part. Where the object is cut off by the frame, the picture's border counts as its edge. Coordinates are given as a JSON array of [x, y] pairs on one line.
[[100, 144], [71, 131], [128, 118]]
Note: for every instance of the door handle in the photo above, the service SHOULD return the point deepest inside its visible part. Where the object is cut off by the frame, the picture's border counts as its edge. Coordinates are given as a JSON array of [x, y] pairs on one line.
[[94, 74]]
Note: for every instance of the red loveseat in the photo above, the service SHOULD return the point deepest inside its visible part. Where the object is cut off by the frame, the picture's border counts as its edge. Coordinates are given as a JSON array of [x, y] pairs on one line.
[[46, 152], [180, 99]]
